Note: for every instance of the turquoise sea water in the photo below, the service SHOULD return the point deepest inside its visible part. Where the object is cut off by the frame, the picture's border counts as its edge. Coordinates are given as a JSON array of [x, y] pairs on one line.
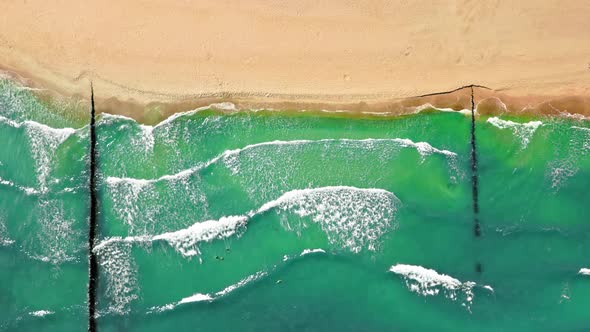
[[218, 220]]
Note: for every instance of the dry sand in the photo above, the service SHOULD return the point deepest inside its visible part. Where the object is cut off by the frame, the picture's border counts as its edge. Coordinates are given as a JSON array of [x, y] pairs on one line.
[[302, 54]]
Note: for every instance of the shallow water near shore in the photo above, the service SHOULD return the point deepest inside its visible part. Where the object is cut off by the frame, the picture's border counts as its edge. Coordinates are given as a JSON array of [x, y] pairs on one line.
[[218, 221]]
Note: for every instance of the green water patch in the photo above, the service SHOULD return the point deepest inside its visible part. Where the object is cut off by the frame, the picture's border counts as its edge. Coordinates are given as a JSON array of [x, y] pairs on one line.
[[264, 220]]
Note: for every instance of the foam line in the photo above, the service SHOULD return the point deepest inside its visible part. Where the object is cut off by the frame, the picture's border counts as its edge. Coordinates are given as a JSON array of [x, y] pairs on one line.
[[26, 190], [225, 106], [200, 297], [423, 148], [228, 106]]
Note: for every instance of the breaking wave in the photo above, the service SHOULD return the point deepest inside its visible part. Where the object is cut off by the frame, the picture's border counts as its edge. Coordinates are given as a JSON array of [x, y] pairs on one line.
[[44, 142], [524, 131], [229, 156], [209, 297], [352, 219], [247, 165], [55, 226], [428, 282], [147, 133], [312, 251]]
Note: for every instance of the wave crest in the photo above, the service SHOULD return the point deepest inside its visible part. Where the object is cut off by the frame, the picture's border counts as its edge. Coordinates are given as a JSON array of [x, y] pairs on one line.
[[44, 141], [524, 131], [352, 219], [428, 282]]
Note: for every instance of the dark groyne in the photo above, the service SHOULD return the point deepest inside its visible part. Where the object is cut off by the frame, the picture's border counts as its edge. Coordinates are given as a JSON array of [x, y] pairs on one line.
[[92, 259], [474, 174], [475, 178], [473, 142]]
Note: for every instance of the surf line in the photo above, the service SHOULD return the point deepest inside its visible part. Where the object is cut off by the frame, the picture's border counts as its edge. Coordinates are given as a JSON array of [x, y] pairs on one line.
[[475, 178], [92, 259]]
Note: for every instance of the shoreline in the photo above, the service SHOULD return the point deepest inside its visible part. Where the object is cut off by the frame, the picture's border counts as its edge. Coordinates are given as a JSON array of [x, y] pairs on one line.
[[487, 101], [372, 56]]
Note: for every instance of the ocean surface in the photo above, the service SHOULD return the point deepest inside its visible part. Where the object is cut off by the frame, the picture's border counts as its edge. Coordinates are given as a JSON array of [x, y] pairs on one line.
[[226, 220]]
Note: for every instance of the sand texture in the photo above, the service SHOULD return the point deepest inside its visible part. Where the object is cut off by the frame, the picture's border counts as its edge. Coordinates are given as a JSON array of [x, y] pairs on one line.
[[371, 55]]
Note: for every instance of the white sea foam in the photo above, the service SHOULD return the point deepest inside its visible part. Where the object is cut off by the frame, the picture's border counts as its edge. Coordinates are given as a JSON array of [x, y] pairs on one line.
[[586, 141], [225, 106], [584, 271], [118, 265], [130, 195], [196, 298], [581, 128], [312, 251], [229, 156], [4, 236], [566, 165], [44, 142], [352, 219], [26, 190], [524, 131], [56, 232], [200, 297], [186, 240], [108, 118], [251, 278], [428, 282], [230, 107], [41, 313], [428, 106], [147, 137]]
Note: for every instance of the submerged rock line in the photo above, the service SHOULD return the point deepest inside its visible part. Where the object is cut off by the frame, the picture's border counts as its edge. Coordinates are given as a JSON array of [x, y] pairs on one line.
[[93, 261]]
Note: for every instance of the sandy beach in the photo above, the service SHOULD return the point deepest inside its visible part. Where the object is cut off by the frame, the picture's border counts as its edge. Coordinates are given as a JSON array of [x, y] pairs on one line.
[[377, 56]]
